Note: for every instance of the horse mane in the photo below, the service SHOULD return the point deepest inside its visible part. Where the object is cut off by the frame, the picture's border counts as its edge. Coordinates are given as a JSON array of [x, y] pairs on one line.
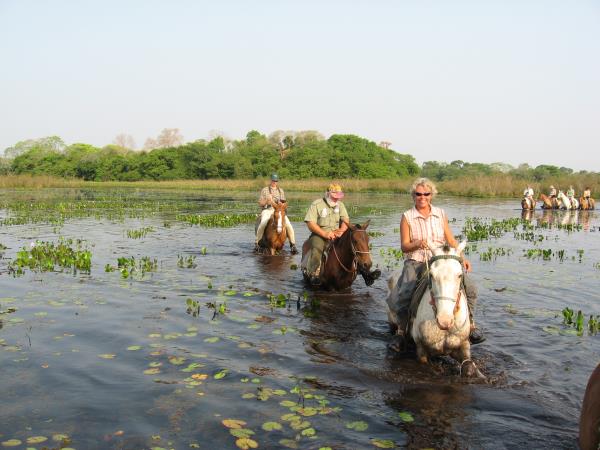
[[446, 248]]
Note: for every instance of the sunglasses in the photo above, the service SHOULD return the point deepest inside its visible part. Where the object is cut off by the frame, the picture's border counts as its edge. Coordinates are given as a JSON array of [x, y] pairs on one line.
[[420, 194]]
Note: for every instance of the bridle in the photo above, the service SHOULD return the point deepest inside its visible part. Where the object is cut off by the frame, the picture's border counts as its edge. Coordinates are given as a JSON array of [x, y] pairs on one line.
[[354, 253], [432, 302]]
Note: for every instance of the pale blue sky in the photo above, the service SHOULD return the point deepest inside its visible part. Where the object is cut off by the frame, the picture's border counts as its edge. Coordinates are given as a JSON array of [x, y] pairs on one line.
[[512, 81]]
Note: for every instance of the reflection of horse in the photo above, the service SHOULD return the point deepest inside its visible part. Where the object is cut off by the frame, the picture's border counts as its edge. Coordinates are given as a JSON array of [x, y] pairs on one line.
[[346, 257], [275, 234], [589, 421], [587, 204], [527, 215], [528, 203], [548, 202], [566, 203], [441, 325]]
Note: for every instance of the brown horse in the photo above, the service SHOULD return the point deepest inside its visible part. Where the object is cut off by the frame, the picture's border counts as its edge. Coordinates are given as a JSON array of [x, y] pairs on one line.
[[548, 202], [275, 233], [346, 257], [586, 204], [589, 421]]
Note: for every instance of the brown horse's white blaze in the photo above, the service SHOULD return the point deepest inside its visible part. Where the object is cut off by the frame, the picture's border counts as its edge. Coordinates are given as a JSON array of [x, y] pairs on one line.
[[279, 221]]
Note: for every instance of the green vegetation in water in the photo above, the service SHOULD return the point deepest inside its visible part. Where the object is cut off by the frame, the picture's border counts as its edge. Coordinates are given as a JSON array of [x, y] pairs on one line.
[[46, 256], [216, 220], [130, 267], [140, 233], [577, 321], [391, 257], [193, 307], [492, 253], [279, 301], [188, 263], [546, 254], [477, 229], [375, 234]]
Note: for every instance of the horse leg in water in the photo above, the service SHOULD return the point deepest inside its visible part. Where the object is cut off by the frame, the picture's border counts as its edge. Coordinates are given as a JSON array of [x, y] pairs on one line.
[[468, 368]]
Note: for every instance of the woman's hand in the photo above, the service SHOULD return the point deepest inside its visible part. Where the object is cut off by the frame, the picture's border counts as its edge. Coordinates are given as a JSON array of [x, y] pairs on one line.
[[420, 244]]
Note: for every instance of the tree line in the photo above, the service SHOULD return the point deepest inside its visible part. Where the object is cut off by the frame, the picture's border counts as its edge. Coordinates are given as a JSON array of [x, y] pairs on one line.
[[293, 155]]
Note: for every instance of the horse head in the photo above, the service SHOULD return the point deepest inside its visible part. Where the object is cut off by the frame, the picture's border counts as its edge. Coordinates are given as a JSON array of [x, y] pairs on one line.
[[359, 240], [445, 283], [278, 219]]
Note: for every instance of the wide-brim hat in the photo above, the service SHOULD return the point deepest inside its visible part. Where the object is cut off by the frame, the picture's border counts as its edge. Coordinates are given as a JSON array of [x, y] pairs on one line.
[[335, 191]]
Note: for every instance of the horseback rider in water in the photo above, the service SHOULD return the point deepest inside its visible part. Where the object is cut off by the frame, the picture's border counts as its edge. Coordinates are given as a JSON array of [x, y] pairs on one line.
[[268, 195], [327, 219], [528, 194], [422, 224]]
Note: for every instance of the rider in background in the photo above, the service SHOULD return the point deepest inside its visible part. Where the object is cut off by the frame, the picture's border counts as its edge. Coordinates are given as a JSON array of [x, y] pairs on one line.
[[587, 193], [552, 193], [571, 194], [422, 224], [528, 193], [272, 193]]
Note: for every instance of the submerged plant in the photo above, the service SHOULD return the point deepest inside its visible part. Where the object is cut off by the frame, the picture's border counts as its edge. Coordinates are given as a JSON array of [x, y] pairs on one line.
[[188, 262]]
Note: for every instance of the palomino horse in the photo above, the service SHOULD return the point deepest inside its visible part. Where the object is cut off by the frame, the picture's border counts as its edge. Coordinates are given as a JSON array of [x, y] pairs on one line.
[[441, 325], [589, 421], [586, 204], [528, 203], [275, 234], [548, 202], [566, 203], [346, 257]]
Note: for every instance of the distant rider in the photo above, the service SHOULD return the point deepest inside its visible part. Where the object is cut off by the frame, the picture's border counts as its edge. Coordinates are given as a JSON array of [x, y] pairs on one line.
[[272, 194]]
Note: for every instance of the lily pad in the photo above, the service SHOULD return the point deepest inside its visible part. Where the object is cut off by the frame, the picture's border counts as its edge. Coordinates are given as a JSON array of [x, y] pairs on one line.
[[358, 425], [133, 348], [406, 416], [11, 443], [246, 443], [36, 439], [212, 340], [233, 423], [270, 426], [383, 443]]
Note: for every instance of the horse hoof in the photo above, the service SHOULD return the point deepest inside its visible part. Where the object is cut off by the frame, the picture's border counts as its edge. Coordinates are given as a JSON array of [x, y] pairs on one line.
[[397, 344]]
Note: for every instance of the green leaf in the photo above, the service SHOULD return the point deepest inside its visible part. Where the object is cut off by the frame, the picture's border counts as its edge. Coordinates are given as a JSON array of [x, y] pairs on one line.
[[406, 416], [358, 425], [270, 426]]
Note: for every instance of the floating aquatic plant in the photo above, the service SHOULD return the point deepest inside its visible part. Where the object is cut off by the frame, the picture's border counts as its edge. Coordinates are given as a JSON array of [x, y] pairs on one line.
[[46, 256], [140, 233]]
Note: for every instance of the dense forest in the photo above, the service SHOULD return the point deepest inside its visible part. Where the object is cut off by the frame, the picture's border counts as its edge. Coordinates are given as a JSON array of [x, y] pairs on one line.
[[298, 156], [294, 155]]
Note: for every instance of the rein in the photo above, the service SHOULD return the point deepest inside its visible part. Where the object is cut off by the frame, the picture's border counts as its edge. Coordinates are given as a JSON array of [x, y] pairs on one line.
[[354, 252]]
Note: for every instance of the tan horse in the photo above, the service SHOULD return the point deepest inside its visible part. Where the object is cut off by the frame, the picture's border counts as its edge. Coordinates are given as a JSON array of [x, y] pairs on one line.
[[585, 204], [548, 202], [528, 203], [275, 233], [589, 421]]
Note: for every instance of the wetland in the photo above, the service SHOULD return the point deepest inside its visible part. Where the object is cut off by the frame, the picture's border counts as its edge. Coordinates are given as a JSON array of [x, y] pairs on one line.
[[140, 318]]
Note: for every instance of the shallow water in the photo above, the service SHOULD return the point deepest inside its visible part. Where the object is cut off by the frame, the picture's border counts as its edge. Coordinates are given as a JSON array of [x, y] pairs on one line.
[[95, 361]]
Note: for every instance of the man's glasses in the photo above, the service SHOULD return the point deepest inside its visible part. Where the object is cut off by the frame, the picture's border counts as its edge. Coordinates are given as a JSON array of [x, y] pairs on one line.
[[420, 194]]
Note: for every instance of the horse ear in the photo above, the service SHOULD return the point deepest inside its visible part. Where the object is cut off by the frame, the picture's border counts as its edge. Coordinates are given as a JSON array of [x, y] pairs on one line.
[[366, 224], [461, 247]]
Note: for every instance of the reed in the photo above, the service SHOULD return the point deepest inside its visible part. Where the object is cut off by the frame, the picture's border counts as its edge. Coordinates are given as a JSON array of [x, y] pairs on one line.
[[497, 185]]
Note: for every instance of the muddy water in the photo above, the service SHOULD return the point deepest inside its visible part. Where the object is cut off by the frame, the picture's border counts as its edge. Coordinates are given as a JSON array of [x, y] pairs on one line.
[[95, 361]]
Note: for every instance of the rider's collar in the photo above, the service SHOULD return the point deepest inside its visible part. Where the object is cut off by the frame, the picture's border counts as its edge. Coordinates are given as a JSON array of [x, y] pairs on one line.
[[329, 201]]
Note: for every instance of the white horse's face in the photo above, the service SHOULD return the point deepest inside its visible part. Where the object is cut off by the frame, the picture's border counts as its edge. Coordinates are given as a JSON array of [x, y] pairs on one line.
[[446, 284]]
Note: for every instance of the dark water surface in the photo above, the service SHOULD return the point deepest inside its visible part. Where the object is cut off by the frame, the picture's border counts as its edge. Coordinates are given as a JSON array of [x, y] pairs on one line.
[[96, 361]]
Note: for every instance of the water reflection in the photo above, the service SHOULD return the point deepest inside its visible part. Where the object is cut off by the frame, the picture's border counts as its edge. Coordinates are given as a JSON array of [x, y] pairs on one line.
[[557, 217]]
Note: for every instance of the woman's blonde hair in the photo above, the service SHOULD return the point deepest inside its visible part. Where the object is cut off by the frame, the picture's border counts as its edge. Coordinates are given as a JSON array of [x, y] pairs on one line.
[[423, 182]]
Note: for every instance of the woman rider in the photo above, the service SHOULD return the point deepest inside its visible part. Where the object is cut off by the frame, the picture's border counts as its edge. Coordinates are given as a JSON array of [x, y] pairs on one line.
[[422, 224]]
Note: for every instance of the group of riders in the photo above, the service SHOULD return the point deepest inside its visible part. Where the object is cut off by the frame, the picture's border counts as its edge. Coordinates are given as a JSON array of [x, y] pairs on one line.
[[556, 199], [422, 226]]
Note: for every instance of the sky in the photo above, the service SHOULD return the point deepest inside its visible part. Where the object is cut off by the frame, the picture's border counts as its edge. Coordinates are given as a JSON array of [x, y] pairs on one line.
[[513, 81]]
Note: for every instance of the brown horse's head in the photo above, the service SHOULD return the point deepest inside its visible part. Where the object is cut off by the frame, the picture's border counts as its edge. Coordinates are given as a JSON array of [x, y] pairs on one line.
[[360, 246], [278, 219]]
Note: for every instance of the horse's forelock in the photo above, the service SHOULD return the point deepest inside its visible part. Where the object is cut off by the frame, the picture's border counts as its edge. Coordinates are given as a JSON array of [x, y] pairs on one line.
[[446, 248]]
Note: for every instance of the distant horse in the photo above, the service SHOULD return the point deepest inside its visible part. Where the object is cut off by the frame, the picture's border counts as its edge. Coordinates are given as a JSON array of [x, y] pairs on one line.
[[566, 203], [441, 324], [589, 421], [548, 202], [586, 204], [528, 203], [345, 257], [275, 233]]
